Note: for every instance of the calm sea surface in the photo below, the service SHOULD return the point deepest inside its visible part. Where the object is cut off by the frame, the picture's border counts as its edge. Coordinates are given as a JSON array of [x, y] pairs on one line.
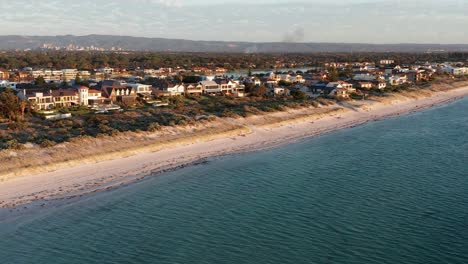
[[393, 191]]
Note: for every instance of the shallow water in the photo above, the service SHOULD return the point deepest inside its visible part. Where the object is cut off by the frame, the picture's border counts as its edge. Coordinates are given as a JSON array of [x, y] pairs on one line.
[[393, 191]]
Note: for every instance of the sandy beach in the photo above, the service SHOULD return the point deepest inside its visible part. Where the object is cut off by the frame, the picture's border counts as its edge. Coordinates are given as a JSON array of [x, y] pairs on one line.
[[87, 177]]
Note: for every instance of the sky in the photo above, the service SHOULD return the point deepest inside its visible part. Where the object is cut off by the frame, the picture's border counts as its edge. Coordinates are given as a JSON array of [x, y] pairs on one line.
[[343, 21]]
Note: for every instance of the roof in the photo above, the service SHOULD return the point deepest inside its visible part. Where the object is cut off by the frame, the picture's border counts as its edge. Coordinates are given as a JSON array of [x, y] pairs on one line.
[[32, 92], [221, 81], [64, 92], [208, 83], [110, 83]]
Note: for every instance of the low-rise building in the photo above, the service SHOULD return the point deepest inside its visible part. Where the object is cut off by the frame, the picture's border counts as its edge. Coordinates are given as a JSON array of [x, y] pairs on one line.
[[141, 89], [40, 99], [210, 87]]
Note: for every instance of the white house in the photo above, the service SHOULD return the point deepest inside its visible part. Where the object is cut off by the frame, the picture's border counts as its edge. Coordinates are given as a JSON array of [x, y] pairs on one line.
[[397, 79], [210, 87], [143, 89], [457, 71], [174, 90]]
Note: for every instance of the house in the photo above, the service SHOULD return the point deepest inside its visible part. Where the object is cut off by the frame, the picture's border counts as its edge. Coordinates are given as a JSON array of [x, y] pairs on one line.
[[210, 87], [119, 94], [255, 81], [238, 89], [363, 76], [66, 97], [40, 99], [364, 85], [397, 79], [226, 86], [321, 88], [194, 89], [105, 70], [278, 91], [4, 74], [141, 89], [95, 97], [387, 62], [379, 84], [174, 89], [341, 89], [23, 76], [69, 74], [84, 74], [456, 71]]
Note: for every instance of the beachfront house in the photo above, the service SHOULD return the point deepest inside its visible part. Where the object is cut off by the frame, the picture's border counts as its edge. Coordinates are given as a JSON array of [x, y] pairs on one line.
[[40, 99], [210, 87]]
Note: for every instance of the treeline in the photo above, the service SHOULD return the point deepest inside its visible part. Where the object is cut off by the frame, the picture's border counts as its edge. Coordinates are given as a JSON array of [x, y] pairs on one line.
[[92, 60]]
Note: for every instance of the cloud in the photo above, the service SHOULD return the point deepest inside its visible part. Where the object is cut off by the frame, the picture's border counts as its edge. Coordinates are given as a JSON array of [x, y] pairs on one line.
[[296, 35]]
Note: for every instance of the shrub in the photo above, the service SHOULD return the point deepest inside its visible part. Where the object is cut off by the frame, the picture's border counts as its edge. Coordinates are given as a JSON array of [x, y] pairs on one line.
[[153, 127], [48, 143], [298, 95], [14, 144]]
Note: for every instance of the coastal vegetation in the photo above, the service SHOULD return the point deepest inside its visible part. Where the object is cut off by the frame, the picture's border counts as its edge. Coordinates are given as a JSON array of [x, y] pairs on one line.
[[22, 126], [182, 111], [229, 61]]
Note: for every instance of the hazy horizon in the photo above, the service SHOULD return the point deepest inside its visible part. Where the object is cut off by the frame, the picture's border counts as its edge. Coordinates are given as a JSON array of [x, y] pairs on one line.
[[318, 21], [233, 41]]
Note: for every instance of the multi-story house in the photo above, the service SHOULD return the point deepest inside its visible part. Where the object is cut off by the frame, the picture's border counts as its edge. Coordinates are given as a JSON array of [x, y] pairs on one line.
[[174, 89], [193, 89], [65, 98], [141, 89], [119, 94], [69, 74], [95, 97], [40, 99], [210, 87]]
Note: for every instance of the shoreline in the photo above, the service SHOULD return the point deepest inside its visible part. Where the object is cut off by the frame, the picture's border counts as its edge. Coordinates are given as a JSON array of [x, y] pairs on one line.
[[123, 169]]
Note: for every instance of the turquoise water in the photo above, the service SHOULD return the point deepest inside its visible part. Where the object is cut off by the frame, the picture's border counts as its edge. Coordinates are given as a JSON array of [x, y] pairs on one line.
[[393, 191]]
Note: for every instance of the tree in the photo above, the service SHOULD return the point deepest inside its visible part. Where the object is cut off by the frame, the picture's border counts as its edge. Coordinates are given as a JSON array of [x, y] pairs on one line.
[[249, 73], [40, 80], [191, 79], [284, 83], [11, 107], [259, 90], [332, 74], [78, 80], [349, 71], [298, 95]]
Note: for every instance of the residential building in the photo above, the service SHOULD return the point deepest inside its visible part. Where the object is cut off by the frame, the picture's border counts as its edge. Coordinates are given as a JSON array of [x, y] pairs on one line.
[[363, 76], [4, 74], [210, 87], [174, 89], [120, 94], [141, 89], [387, 62], [69, 74], [95, 98], [195, 89], [40, 99], [365, 85], [65, 98]]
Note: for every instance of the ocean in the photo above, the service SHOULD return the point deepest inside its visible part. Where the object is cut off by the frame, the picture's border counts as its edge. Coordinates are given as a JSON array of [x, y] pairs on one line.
[[391, 191]]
